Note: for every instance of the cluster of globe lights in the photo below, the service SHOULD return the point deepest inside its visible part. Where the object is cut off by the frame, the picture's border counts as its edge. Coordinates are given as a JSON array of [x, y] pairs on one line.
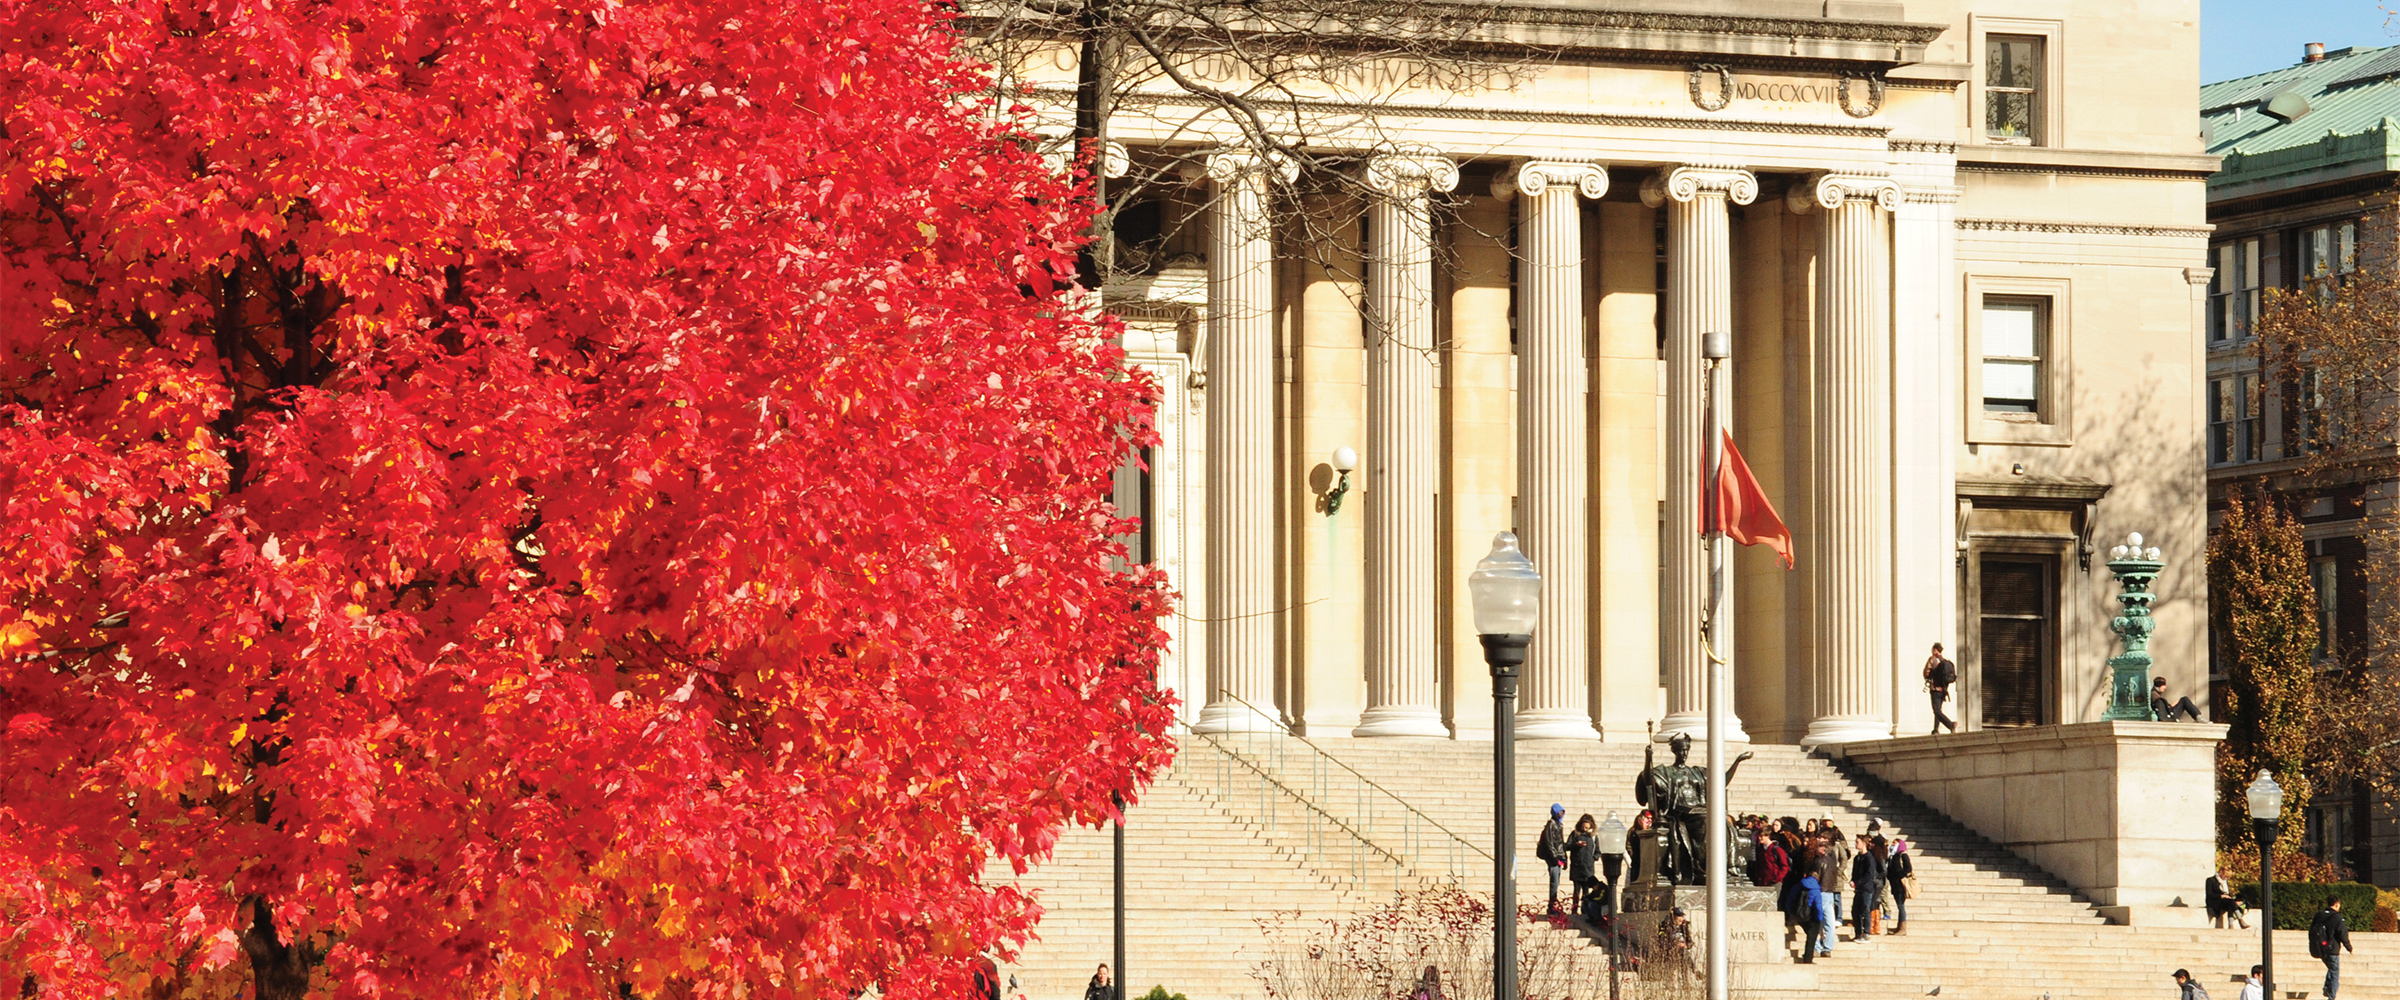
[[2132, 549]]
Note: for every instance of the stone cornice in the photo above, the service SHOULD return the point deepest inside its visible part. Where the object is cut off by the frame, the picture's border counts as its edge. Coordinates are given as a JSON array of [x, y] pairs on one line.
[[1409, 175], [1687, 182], [1451, 112], [2050, 160], [2062, 489], [1536, 176], [2082, 228]]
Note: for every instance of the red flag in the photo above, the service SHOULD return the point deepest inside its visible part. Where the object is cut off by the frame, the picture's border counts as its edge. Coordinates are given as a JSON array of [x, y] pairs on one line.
[[1740, 509]]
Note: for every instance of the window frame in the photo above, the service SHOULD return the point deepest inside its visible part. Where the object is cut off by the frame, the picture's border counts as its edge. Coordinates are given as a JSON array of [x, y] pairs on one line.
[[2329, 607], [2233, 291], [2052, 422], [2049, 108]]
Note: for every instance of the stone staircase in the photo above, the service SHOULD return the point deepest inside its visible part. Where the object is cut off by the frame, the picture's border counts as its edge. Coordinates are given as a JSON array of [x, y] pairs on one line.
[[1202, 871]]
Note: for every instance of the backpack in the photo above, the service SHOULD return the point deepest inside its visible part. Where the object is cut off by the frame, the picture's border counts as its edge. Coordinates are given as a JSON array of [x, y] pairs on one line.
[[1945, 673], [2320, 936]]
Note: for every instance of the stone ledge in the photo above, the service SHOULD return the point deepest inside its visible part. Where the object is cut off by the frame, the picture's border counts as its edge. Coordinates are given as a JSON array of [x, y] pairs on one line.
[[2122, 811]]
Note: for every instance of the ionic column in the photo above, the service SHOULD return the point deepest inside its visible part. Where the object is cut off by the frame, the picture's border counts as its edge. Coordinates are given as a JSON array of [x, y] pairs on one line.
[[1851, 493], [1241, 446], [1552, 451], [1699, 301], [1402, 444]]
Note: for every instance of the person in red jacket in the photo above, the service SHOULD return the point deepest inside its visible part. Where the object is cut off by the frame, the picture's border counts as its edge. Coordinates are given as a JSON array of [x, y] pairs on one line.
[[1770, 863]]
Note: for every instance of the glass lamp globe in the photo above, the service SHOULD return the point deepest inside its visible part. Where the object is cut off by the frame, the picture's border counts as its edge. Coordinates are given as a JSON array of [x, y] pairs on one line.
[[2133, 539], [2118, 552], [1612, 835], [1345, 458], [1505, 589], [2151, 555], [2266, 797]]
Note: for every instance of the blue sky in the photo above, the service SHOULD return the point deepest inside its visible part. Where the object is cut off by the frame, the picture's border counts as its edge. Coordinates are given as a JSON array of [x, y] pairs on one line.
[[2241, 37]]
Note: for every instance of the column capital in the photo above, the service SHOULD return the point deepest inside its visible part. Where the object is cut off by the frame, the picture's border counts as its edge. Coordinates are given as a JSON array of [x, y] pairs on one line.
[[1237, 163], [1537, 176], [1691, 180], [1059, 153], [1409, 175], [1831, 190]]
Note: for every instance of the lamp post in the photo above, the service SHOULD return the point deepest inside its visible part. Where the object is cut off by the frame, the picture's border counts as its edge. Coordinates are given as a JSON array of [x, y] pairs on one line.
[[2266, 814], [1506, 592], [2134, 567], [1612, 864]]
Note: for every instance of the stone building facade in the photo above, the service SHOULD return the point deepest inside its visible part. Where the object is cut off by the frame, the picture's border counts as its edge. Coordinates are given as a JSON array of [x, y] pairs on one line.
[[2309, 191], [1961, 252]]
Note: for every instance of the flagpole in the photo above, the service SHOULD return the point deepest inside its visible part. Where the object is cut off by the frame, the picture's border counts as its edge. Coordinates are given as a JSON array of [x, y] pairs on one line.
[[1715, 347]]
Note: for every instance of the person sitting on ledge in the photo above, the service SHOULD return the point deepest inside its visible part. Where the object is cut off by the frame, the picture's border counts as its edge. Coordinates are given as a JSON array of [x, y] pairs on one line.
[[2164, 711]]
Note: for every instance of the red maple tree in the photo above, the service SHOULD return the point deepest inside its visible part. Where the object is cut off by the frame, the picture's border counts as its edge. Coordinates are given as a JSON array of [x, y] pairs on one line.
[[556, 499]]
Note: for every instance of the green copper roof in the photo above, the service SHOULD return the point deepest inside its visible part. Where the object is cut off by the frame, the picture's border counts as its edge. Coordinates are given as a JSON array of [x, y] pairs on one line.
[[2353, 97]]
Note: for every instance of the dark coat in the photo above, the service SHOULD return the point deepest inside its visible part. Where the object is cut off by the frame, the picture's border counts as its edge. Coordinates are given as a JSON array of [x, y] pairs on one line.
[[1552, 847], [1583, 852], [2330, 929], [1866, 871], [1897, 871], [1097, 990], [2221, 902]]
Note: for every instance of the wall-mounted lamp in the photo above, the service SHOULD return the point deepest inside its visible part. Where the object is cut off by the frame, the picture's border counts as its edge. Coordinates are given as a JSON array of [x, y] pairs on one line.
[[1344, 460]]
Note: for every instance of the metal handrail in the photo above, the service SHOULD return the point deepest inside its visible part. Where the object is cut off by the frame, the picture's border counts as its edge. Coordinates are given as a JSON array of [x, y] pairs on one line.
[[1354, 772], [1261, 770]]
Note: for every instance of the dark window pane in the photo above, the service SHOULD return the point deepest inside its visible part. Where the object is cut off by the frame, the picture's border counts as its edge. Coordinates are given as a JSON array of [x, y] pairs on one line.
[[2011, 61], [2014, 641], [2008, 115]]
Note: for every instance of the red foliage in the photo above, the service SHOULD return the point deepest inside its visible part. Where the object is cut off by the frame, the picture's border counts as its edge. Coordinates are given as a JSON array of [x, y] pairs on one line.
[[509, 494]]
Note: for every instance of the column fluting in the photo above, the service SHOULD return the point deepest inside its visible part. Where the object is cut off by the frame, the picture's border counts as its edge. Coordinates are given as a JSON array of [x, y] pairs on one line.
[[1402, 445], [1241, 445], [1851, 491], [1553, 450], [1699, 301]]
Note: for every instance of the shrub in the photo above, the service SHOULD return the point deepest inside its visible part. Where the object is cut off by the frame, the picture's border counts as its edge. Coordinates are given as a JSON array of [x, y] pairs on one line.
[[1160, 993], [2296, 903], [2387, 920]]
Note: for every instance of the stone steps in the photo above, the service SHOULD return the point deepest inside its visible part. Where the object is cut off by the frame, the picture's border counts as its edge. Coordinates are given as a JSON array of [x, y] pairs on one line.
[[1203, 871]]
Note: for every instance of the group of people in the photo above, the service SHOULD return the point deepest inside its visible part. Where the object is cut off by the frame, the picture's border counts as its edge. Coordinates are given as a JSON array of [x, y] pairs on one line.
[[2328, 938], [1815, 862], [1574, 857]]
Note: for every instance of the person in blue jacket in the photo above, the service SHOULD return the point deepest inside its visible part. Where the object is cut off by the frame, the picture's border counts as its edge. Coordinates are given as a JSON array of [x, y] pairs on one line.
[[1812, 910]]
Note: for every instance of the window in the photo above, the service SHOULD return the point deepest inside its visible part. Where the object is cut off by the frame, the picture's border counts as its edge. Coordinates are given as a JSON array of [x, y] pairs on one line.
[[2233, 291], [2233, 420], [2015, 333], [2325, 574], [2329, 250], [2012, 88]]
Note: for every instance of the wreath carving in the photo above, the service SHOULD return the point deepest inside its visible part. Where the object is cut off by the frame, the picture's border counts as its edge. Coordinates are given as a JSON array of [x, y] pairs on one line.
[[1874, 94], [1724, 96]]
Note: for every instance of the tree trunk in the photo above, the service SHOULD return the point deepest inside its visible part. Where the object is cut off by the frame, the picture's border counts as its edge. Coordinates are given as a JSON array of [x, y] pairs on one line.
[[278, 971], [1095, 74]]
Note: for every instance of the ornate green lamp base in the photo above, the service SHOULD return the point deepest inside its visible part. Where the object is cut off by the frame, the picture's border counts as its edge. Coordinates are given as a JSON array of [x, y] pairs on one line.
[[2129, 687]]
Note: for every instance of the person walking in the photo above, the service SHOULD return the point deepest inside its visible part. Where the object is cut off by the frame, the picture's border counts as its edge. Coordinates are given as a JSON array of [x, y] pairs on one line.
[[1805, 908], [1100, 987], [1551, 849], [1940, 673], [1897, 874], [2186, 988], [1866, 886], [1583, 854], [2328, 938], [2255, 987], [2223, 905]]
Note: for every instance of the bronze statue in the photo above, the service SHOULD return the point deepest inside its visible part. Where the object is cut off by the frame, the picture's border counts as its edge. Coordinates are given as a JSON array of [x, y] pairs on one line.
[[1677, 794]]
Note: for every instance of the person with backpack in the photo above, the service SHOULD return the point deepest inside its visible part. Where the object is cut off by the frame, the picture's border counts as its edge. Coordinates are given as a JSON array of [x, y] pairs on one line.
[[1940, 673], [2328, 938], [2186, 988], [1551, 849]]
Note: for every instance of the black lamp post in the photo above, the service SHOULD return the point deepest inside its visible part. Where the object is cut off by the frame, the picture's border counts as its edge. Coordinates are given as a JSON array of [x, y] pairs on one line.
[[1507, 594], [2266, 814], [1612, 864]]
